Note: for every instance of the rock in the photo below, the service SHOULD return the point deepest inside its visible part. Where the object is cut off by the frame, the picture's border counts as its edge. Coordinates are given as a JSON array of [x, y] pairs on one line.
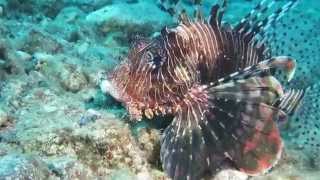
[[134, 13], [2, 62], [41, 60], [23, 56], [109, 144], [69, 15], [19, 166], [73, 79], [1, 10], [3, 52], [129, 19], [6, 121], [149, 141], [88, 5], [90, 116], [68, 26], [10, 62], [69, 168], [83, 48], [39, 41], [122, 174], [143, 176], [4, 118], [48, 8], [45, 57], [231, 175], [96, 149]]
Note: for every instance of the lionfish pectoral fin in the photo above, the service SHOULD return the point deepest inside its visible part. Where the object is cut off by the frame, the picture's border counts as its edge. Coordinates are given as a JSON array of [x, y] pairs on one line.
[[248, 133], [283, 63], [266, 89], [250, 123], [279, 65], [262, 69], [290, 101], [261, 145], [183, 153], [287, 64], [204, 134]]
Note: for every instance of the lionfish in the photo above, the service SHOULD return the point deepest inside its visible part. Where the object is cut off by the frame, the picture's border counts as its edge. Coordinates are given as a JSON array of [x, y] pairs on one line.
[[219, 82]]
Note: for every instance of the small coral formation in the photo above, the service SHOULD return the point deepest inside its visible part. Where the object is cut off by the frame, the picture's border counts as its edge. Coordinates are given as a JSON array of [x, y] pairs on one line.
[[38, 41], [9, 62], [5, 120], [149, 142], [73, 79], [119, 27]]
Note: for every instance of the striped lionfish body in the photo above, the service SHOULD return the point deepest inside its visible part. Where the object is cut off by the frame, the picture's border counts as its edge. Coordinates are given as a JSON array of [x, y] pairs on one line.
[[218, 82]]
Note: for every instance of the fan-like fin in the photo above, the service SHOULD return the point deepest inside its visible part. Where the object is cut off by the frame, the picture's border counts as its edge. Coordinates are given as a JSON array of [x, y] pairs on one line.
[[290, 101], [264, 68], [207, 132], [264, 89]]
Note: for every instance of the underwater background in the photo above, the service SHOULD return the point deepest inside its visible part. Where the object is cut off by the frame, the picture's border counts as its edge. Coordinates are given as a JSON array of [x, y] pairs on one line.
[[56, 122]]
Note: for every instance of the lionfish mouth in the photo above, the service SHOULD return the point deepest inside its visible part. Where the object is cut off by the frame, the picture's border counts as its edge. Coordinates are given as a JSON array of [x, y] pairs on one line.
[[108, 87], [222, 87]]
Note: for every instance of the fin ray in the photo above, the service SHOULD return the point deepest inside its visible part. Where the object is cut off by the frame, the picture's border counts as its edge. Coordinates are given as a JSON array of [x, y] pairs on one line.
[[215, 130]]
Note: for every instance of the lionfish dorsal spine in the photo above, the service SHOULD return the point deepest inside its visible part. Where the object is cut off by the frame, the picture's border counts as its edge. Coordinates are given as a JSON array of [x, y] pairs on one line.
[[214, 14], [184, 18]]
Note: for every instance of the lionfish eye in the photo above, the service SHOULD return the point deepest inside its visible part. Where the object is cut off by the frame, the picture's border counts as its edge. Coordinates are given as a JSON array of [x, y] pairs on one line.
[[157, 60], [154, 59], [154, 55], [149, 56]]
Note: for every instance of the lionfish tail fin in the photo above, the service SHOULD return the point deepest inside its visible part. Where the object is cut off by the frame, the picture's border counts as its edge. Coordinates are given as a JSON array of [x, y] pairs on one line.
[[210, 133]]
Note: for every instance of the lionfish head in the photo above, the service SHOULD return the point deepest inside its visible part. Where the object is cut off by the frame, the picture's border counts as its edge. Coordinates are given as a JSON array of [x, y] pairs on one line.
[[131, 81]]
